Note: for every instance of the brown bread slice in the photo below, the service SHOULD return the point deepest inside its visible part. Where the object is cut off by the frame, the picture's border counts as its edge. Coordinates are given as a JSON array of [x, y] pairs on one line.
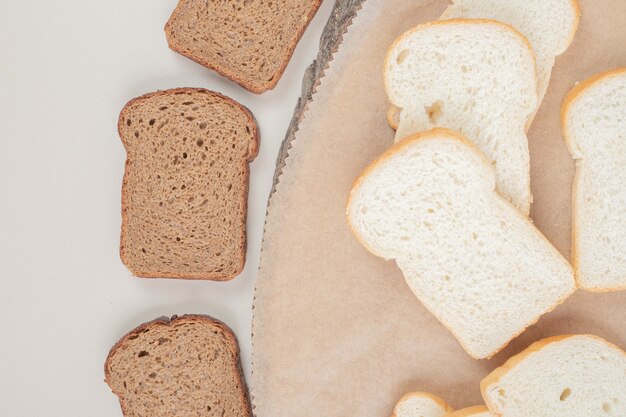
[[186, 366], [248, 41], [185, 189]]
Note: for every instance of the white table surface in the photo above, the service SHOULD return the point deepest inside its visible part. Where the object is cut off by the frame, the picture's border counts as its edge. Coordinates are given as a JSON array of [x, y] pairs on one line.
[[67, 67]]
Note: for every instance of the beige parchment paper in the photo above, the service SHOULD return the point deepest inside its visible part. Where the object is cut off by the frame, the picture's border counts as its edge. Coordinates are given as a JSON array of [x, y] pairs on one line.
[[336, 330]]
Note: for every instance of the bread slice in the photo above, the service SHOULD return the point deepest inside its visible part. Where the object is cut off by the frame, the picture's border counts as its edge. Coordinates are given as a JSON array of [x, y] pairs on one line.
[[563, 376], [186, 366], [548, 25], [477, 411], [476, 77], [185, 188], [421, 404], [249, 42], [594, 127], [472, 259]]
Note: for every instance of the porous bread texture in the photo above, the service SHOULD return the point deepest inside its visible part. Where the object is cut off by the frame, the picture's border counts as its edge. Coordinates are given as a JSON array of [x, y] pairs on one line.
[[185, 189], [476, 411], [186, 366], [563, 376], [421, 404], [472, 259], [594, 127], [549, 26], [476, 77], [249, 42]]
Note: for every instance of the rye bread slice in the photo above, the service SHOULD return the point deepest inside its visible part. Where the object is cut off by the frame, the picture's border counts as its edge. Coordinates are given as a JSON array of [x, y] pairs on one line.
[[179, 367], [185, 189], [249, 42]]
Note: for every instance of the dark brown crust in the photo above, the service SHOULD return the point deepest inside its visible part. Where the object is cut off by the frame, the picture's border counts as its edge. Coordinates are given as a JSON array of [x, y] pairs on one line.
[[225, 71], [165, 321], [253, 152]]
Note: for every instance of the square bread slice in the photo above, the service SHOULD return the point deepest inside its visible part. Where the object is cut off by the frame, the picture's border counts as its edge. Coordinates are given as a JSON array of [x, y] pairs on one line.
[[476, 77], [185, 189], [421, 404], [478, 264], [549, 26], [179, 367], [249, 42], [594, 127], [563, 376]]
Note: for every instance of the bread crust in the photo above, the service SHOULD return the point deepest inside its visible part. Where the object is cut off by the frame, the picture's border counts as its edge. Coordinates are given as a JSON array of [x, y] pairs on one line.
[[469, 411], [172, 321], [569, 100], [450, 134], [228, 72], [253, 150], [577, 14], [392, 113], [422, 394], [498, 373]]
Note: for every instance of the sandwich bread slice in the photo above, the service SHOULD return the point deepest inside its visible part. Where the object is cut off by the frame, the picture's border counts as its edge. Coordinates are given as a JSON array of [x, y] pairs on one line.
[[478, 264]]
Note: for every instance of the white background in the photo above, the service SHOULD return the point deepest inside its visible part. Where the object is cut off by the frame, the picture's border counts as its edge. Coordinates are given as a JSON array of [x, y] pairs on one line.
[[67, 67]]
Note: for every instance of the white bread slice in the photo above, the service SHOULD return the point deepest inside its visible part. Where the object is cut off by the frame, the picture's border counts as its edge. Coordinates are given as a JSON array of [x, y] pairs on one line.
[[421, 404], [594, 127], [476, 77], [476, 411], [549, 26], [563, 376], [475, 262]]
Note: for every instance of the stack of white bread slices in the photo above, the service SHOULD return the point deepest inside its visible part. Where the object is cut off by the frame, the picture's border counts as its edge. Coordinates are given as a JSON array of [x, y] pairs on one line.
[[449, 202], [562, 376]]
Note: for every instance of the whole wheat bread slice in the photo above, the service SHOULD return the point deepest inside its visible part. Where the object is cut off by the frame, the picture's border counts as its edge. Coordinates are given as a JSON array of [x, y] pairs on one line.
[[186, 366], [185, 189], [249, 42]]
